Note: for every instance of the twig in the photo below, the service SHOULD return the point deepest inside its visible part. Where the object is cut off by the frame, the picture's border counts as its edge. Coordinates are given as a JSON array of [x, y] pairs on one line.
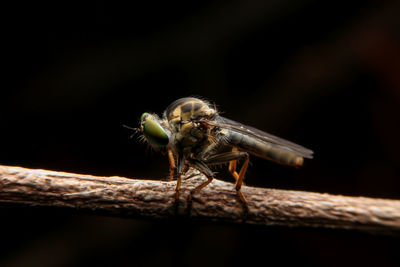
[[218, 201]]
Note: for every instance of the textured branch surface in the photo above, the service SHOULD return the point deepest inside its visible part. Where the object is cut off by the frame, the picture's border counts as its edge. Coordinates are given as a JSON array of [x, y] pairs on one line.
[[218, 201]]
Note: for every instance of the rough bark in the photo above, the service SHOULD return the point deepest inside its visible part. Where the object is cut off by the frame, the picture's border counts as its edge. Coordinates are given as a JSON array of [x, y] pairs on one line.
[[218, 201]]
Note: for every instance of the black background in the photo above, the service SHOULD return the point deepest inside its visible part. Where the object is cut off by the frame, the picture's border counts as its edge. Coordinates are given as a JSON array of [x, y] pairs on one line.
[[324, 74]]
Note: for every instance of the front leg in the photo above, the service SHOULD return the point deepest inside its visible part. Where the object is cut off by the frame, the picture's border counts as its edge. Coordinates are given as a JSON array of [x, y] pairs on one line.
[[172, 167], [180, 168]]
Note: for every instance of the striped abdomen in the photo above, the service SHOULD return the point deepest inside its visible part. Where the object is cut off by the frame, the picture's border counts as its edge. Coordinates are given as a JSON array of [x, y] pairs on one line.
[[263, 149]]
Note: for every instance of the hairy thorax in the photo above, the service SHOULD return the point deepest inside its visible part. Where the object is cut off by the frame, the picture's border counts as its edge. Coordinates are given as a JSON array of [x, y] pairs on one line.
[[183, 116]]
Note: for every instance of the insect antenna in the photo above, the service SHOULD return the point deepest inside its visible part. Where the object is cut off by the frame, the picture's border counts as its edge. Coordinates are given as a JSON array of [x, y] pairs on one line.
[[135, 130]]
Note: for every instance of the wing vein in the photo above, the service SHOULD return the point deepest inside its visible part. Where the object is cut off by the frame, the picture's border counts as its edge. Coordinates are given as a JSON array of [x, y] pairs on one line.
[[278, 142]]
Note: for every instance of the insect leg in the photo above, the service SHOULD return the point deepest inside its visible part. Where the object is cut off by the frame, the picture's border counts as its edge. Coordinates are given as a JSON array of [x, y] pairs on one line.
[[181, 163], [232, 166], [201, 166], [239, 181], [172, 166], [225, 157], [232, 157]]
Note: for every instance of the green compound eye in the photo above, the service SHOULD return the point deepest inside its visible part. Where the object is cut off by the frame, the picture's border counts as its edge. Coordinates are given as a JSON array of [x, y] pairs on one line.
[[153, 132]]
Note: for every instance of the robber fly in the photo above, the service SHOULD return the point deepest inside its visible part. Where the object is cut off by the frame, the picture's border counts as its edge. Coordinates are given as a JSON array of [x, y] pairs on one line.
[[193, 134]]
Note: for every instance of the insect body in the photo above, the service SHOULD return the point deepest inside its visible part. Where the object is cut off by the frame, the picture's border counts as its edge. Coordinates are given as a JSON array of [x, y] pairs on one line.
[[195, 135]]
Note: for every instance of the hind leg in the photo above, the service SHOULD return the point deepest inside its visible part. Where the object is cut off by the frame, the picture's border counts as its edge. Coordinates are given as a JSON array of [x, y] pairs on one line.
[[232, 158]]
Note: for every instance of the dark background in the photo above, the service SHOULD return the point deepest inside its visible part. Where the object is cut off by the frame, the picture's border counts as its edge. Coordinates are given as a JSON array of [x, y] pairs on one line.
[[324, 74]]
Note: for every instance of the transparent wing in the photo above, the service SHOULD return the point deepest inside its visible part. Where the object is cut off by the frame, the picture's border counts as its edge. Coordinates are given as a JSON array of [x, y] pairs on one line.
[[275, 141]]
